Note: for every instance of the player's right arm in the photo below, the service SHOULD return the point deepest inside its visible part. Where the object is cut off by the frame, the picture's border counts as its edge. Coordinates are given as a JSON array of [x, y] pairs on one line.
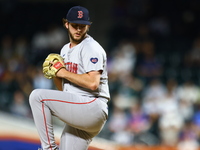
[[58, 83], [90, 80]]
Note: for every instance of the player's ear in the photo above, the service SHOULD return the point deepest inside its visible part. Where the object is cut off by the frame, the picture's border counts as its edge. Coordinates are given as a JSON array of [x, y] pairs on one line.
[[67, 25]]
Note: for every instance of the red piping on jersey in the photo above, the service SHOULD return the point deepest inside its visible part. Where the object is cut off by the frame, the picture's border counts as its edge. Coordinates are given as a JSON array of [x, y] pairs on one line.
[[67, 101], [45, 123]]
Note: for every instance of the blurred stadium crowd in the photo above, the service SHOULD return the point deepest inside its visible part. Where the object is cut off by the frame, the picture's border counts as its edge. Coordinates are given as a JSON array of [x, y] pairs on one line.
[[153, 65]]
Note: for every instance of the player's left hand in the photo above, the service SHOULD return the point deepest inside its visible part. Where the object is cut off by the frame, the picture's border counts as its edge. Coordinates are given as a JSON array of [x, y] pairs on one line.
[[52, 64]]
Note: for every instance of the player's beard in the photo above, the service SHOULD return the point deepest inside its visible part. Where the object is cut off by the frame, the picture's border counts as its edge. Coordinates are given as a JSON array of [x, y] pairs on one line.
[[77, 41]]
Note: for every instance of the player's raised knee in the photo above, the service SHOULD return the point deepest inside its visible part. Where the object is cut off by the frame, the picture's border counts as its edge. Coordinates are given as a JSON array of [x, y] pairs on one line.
[[34, 96]]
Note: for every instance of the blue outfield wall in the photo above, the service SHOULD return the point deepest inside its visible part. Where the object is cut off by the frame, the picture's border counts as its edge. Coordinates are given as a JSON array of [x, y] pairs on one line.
[[17, 145]]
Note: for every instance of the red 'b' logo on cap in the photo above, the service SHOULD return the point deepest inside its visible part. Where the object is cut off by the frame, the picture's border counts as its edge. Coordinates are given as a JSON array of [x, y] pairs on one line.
[[80, 14]]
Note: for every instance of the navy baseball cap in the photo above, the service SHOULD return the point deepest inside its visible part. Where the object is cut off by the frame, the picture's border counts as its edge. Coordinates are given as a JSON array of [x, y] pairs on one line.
[[79, 15]]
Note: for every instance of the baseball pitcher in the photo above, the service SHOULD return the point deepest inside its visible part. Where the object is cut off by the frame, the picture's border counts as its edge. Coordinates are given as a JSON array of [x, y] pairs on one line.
[[80, 75]]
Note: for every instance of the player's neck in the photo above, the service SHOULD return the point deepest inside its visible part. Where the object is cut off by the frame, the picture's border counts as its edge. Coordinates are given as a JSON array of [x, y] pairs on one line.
[[74, 43]]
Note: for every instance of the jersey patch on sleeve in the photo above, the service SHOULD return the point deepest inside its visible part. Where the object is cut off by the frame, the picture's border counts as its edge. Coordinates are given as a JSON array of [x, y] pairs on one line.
[[94, 60]]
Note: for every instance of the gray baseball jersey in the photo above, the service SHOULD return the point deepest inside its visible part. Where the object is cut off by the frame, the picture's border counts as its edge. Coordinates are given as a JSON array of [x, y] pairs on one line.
[[84, 111], [85, 57]]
